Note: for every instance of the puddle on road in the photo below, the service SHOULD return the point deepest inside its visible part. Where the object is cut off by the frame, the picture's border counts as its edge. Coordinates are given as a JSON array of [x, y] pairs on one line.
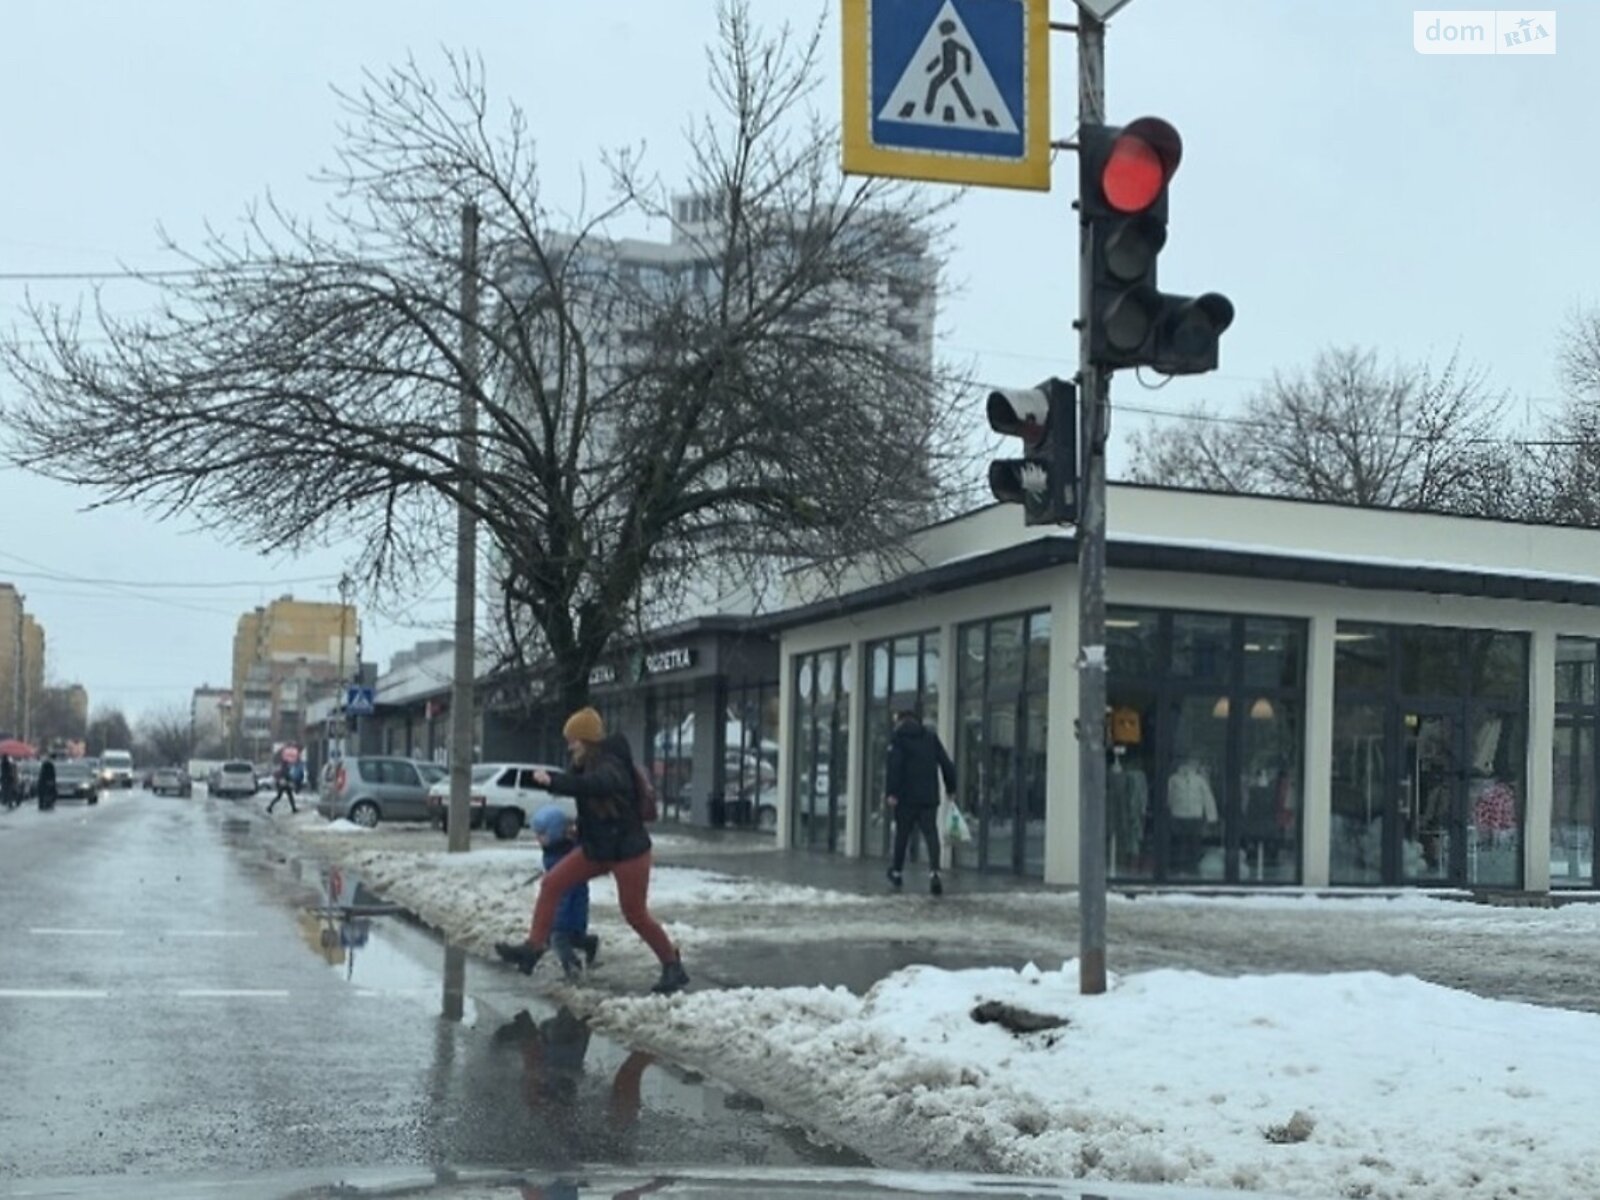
[[540, 1087]]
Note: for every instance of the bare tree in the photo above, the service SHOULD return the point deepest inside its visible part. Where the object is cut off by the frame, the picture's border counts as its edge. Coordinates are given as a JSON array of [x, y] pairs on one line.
[[55, 718], [641, 433], [1563, 481], [108, 730], [1406, 436], [167, 736]]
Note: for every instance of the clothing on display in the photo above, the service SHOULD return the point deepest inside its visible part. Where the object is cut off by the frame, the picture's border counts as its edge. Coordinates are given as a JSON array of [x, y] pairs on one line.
[[1128, 799], [1189, 794]]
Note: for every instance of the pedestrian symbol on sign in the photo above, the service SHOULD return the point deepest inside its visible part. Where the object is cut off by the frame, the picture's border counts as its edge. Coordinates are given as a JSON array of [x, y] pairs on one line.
[[949, 54]]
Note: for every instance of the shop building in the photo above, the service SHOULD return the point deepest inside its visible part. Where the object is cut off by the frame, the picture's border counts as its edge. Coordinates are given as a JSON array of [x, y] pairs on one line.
[[1299, 694]]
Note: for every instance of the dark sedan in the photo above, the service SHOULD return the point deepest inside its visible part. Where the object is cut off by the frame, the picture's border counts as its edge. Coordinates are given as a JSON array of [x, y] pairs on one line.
[[76, 781]]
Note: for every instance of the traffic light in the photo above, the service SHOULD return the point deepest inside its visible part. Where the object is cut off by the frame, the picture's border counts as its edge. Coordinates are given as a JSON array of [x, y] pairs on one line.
[[1123, 177], [1045, 480]]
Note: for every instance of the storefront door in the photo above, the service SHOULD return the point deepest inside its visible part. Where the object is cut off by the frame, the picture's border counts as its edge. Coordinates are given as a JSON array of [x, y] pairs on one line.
[[1426, 835]]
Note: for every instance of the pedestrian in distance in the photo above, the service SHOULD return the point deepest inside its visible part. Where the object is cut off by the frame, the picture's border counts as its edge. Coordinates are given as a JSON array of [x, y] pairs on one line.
[[917, 760], [10, 797], [47, 783], [558, 834], [285, 779], [611, 840]]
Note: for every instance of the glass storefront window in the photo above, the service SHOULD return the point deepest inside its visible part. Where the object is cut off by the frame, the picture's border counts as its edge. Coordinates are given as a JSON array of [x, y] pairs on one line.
[[1002, 741], [1429, 774], [1361, 657], [1204, 771], [1195, 777], [1273, 652], [1430, 660], [1133, 735], [1269, 783], [750, 756], [1133, 643], [819, 789], [1572, 823], [1497, 743], [1202, 646], [1499, 665], [1360, 786], [902, 674]]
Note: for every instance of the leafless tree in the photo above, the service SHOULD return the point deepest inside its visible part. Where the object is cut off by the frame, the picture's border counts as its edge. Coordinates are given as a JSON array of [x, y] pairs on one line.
[[642, 435], [1349, 429], [1564, 477], [55, 719], [166, 737], [108, 730]]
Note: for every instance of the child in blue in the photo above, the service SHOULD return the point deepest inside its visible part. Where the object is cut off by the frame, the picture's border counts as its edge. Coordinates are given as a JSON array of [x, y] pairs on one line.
[[556, 832]]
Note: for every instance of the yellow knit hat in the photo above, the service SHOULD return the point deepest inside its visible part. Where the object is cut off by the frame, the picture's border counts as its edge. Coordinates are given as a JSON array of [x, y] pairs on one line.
[[584, 725]]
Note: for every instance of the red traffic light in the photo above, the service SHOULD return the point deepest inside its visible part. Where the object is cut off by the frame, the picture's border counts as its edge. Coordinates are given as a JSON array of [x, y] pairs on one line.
[[1139, 164]]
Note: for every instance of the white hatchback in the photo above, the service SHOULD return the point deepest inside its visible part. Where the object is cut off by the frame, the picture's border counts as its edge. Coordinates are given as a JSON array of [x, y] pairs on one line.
[[504, 797]]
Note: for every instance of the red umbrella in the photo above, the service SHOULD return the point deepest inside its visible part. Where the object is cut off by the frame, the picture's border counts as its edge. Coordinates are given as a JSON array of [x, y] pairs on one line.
[[12, 748]]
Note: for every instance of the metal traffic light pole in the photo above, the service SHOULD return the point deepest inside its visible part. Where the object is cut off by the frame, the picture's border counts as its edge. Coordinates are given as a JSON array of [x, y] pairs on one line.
[[1094, 393]]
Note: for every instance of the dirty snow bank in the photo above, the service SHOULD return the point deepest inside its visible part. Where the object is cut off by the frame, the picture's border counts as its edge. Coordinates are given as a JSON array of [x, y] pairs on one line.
[[1403, 1090], [486, 895]]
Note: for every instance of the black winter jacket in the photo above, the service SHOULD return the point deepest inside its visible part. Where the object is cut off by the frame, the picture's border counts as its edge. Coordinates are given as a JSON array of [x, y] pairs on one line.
[[917, 759], [609, 826]]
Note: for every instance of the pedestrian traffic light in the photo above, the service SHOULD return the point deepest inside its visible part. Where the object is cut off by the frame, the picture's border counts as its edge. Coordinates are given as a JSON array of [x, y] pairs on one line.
[[1045, 480], [1122, 185]]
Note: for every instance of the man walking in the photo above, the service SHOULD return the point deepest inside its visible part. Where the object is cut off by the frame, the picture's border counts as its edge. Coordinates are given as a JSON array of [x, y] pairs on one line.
[[917, 760]]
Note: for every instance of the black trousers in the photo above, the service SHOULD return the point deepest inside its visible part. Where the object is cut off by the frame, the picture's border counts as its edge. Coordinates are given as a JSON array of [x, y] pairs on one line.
[[909, 820], [284, 789]]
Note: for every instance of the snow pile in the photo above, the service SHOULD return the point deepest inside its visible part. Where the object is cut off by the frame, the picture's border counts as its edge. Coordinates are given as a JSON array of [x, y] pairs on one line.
[[344, 826], [487, 894], [1360, 1085]]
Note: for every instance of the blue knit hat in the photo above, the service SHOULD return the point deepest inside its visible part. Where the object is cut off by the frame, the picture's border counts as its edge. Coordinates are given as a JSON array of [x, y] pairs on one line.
[[550, 822]]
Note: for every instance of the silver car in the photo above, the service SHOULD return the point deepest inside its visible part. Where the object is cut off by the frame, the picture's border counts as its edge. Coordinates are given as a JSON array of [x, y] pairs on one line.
[[369, 788]]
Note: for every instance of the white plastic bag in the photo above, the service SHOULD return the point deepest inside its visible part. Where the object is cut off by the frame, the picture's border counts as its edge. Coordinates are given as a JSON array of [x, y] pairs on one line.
[[956, 828]]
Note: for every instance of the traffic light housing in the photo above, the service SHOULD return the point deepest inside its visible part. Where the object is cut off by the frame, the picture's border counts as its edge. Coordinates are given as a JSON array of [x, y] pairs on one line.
[[1045, 480], [1124, 172]]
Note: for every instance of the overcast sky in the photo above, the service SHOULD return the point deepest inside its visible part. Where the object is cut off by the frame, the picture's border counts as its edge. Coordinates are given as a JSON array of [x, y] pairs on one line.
[[1339, 187]]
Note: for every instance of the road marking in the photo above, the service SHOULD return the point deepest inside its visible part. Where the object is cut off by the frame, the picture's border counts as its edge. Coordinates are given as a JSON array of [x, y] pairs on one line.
[[51, 994], [78, 932], [210, 933], [234, 993]]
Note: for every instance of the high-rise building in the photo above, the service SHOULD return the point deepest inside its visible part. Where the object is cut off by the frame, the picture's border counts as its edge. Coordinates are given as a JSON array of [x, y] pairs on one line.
[[21, 664], [210, 717], [284, 654]]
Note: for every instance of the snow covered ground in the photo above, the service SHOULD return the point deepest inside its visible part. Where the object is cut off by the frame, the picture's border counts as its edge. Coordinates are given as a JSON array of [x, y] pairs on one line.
[[1348, 1085], [1208, 1062]]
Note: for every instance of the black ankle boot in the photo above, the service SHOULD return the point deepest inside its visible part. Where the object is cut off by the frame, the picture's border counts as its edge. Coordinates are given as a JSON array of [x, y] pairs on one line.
[[520, 955], [673, 978]]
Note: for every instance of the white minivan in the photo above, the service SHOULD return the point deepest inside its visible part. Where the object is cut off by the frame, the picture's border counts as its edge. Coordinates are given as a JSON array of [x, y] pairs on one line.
[[116, 769]]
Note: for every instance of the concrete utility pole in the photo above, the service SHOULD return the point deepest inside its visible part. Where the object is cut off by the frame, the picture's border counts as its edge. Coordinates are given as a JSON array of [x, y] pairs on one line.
[[461, 686], [1094, 397]]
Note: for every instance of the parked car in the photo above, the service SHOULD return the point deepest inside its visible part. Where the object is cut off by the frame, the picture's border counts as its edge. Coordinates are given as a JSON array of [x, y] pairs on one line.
[[504, 796], [233, 779], [369, 788], [170, 781], [76, 780]]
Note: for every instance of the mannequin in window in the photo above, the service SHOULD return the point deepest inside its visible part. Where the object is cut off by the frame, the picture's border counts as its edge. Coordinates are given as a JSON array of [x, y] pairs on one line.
[[1128, 798], [1193, 807]]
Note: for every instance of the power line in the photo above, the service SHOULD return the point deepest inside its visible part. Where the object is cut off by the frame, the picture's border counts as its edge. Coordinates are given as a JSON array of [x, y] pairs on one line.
[[48, 573]]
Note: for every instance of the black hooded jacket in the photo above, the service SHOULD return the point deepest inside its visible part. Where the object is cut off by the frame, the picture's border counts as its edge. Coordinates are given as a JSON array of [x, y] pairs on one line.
[[610, 828], [917, 759]]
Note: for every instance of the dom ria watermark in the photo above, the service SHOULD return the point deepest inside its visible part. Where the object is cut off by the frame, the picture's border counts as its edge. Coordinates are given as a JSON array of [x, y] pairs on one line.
[[1484, 31]]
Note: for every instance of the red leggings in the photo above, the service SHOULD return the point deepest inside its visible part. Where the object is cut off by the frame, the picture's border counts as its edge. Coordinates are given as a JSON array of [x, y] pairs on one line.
[[633, 885]]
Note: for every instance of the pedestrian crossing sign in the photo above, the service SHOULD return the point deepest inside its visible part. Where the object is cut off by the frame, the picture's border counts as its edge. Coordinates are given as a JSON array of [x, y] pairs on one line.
[[952, 91]]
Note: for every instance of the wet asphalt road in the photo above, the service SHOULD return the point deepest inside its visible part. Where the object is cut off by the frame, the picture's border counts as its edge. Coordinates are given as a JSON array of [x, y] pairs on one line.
[[172, 1005]]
